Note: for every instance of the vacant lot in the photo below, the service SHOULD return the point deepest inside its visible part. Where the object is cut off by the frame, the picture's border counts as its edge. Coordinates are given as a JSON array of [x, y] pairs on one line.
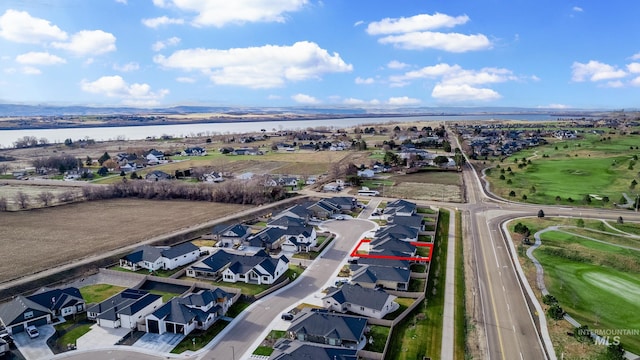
[[9, 192], [39, 239]]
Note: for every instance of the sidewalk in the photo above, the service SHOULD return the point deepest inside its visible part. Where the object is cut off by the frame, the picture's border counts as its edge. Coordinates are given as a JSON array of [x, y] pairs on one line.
[[448, 320]]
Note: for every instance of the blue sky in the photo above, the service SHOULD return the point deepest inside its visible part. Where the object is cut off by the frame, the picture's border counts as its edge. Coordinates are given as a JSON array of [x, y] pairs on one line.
[[360, 53]]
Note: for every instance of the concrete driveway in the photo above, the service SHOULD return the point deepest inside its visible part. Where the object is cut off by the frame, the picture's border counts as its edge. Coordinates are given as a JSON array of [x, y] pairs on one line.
[[161, 343], [100, 337], [37, 348]]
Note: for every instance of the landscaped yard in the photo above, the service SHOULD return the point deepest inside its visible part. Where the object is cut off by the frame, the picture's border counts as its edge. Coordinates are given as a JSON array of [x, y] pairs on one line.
[[266, 347], [201, 338], [379, 335], [404, 304], [94, 294]]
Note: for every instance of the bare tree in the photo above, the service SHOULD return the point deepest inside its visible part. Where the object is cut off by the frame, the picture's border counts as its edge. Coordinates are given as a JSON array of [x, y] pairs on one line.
[[4, 168], [22, 200], [46, 197], [3, 204], [66, 196]]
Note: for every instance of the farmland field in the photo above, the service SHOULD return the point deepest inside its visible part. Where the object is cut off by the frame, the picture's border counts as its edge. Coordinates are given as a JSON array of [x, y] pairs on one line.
[[43, 238]]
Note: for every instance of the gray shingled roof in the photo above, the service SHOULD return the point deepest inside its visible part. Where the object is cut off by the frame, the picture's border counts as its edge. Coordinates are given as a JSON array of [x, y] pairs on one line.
[[359, 296], [324, 324], [296, 350]]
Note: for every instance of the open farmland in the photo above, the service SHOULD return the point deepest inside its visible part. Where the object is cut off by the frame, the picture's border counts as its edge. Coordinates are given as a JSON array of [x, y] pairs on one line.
[[39, 239]]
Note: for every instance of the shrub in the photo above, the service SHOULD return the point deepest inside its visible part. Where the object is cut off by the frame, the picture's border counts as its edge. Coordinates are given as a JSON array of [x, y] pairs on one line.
[[555, 312]]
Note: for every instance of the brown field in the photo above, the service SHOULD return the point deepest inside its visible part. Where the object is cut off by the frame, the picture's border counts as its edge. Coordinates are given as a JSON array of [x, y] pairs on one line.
[[424, 191], [37, 240], [9, 192]]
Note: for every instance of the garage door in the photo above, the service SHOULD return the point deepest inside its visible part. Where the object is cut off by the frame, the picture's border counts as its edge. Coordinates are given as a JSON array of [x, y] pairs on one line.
[[179, 329], [170, 327], [17, 329], [153, 327], [38, 322]]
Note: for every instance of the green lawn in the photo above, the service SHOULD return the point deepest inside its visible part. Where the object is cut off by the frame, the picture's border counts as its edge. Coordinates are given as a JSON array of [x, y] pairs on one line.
[[93, 294], [404, 304], [379, 335], [631, 228], [598, 284], [594, 167], [166, 296], [460, 316], [237, 308], [201, 338], [420, 333], [266, 348]]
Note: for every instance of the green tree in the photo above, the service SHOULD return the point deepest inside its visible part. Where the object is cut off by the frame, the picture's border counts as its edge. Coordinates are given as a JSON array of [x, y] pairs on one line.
[[524, 197], [614, 352], [88, 161], [441, 160], [512, 193], [580, 223], [104, 158], [391, 158], [502, 177], [446, 146], [583, 334], [549, 299], [540, 213], [555, 312]]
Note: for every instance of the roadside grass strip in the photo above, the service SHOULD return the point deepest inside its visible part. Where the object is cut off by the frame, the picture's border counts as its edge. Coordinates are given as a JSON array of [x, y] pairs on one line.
[[420, 333], [197, 339], [460, 316]]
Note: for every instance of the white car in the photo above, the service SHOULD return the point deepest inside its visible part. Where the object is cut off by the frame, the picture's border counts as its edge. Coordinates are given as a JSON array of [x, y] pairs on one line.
[[32, 331], [340, 217]]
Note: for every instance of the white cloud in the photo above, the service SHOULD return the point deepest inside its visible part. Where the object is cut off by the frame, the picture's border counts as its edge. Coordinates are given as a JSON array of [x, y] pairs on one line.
[[363, 81], [577, 9], [258, 67], [635, 56], [415, 23], [30, 70], [160, 3], [634, 68], [89, 42], [159, 45], [305, 99], [456, 84], [122, 2], [636, 81], [160, 21], [360, 102], [452, 42], [132, 66], [19, 26], [131, 94], [185, 80], [358, 23], [462, 93], [402, 101], [396, 65], [555, 106], [219, 13], [615, 84], [595, 71], [39, 58]]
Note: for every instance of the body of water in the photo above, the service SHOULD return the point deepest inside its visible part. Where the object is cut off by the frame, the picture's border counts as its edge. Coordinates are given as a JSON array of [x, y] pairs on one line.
[[8, 137]]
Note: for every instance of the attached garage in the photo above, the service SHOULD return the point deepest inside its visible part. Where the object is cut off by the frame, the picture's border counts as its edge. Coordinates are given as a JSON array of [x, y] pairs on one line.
[[38, 322], [153, 326]]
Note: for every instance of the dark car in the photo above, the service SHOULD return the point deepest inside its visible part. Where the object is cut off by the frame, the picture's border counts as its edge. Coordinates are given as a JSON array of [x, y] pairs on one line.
[[7, 338], [287, 316]]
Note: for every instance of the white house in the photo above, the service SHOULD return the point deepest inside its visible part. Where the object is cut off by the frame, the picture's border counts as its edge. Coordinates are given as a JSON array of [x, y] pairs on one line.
[[299, 239], [126, 309], [359, 300], [160, 258], [366, 173], [259, 268], [195, 311]]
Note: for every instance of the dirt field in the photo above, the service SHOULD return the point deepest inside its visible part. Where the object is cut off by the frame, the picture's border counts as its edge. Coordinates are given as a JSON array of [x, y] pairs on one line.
[[36, 240], [9, 192]]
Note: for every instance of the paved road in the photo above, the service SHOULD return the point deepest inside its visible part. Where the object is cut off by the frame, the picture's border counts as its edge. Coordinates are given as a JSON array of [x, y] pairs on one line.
[[259, 316]]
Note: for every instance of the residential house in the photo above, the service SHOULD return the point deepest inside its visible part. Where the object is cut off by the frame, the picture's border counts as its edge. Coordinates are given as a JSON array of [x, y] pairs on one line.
[[259, 268], [157, 175], [229, 235], [287, 349], [400, 232], [182, 315], [296, 211], [366, 173], [40, 308], [399, 208], [285, 233], [247, 151], [155, 258], [323, 209], [194, 151], [414, 221], [288, 181], [344, 203], [322, 327], [155, 157], [126, 309], [391, 278], [359, 300]]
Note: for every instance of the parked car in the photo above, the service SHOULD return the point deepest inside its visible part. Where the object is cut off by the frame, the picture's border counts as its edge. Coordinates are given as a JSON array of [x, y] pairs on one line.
[[32, 331], [241, 247], [287, 316], [339, 217], [7, 338]]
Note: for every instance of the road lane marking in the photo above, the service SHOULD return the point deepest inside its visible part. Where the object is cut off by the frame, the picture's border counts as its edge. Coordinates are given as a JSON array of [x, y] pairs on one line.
[[493, 303]]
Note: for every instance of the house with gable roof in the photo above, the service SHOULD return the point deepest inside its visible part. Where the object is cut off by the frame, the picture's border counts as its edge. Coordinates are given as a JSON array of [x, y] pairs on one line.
[[126, 309], [359, 300], [286, 349], [399, 208], [182, 315], [375, 277], [259, 268], [321, 327], [155, 258], [229, 235], [40, 308]]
